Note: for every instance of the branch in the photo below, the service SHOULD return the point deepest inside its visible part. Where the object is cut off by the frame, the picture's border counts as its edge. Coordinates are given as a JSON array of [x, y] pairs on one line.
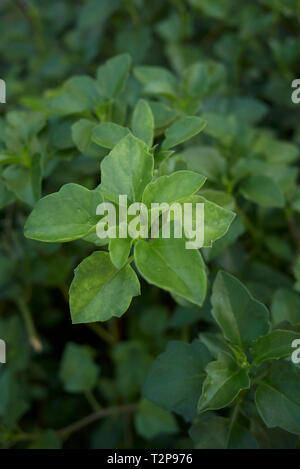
[[76, 426]]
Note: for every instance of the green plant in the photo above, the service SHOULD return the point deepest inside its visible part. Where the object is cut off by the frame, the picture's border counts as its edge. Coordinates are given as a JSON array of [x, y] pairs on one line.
[[202, 356]]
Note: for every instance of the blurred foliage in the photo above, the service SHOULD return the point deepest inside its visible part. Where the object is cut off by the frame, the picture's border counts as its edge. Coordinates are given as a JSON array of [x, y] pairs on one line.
[[230, 63]]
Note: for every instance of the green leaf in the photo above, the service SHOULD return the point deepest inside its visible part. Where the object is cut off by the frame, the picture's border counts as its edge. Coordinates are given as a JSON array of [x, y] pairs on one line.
[[182, 130], [167, 264], [175, 379], [143, 122], [47, 440], [277, 344], [112, 76], [96, 285], [263, 191], [127, 170], [286, 306], [215, 343], [108, 134], [78, 371], [278, 399], [225, 379], [214, 432], [128, 378], [152, 421], [119, 250], [163, 114], [206, 160], [157, 80], [65, 215], [233, 305], [13, 403], [82, 136], [172, 188], [217, 220]]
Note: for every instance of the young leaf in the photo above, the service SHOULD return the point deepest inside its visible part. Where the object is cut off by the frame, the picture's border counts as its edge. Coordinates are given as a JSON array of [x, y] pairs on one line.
[[127, 170], [96, 285], [172, 188], [82, 132], [175, 379], [278, 399], [225, 379], [108, 134], [143, 122], [113, 75], [262, 190], [65, 215], [233, 305], [182, 130], [277, 344], [151, 421], [168, 265], [78, 371], [119, 249]]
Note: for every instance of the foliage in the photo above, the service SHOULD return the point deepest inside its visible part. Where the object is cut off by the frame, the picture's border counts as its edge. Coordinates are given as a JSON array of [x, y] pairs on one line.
[[175, 101]]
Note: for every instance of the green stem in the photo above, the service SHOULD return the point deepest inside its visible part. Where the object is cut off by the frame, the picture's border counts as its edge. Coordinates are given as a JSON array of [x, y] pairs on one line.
[[82, 423], [102, 333], [30, 326], [92, 401]]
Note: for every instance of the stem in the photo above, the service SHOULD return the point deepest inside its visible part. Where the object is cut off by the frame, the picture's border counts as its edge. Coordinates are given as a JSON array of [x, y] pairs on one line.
[[92, 401], [33, 337], [82, 423], [102, 333]]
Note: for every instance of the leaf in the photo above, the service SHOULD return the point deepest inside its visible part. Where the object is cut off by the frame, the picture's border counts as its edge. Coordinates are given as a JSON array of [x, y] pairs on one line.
[[225, 379], [108, 134], [206, 160], [215, 344], [175, 378], [126, 170], [96, 285], [47, 440], [215, 432], [278, 399], [286, 306], [78, 371], [113, 75], [119, 250], [241, 317], [217, 220], [143, 122], [169, 189], [13, 403], [82, 132], [163, 114], [129, 379], [65, 215], [277, 344], [168, 265], [182, 130], [151, 421], [263, 191], [157, 80]]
